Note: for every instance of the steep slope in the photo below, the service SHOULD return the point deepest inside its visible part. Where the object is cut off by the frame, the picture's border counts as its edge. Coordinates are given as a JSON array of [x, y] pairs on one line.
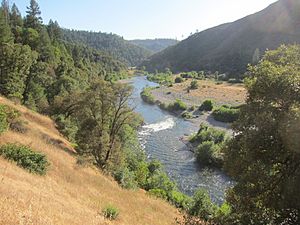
[[154, 45], [230, 47], [113, 44], [68, 193]]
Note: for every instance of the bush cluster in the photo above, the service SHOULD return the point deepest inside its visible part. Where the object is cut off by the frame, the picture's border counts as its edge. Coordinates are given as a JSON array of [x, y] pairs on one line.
[[25, 157], [8, 117], [209, 142], [194, 85], [111, 212], [161, 78], [179, 80], [226, 114], [147, 96], [178, 105], [207, 105]]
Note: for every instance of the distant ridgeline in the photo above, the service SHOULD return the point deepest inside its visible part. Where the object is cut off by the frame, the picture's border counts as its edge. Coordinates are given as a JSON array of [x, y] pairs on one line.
[[113, 44], [37, 66], [228, 48], [155, 45]]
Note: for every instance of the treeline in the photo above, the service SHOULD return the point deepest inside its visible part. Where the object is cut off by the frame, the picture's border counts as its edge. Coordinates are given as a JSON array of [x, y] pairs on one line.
[[113, 44], [37, 66]]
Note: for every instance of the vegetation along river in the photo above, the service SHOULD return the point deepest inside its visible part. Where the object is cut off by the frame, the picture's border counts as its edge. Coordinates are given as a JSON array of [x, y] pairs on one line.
[[160, 138]]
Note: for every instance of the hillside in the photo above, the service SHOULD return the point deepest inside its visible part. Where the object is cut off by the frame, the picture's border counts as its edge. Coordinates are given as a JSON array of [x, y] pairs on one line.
[[230, 47], [113, 44], [155, 45], [68, 193]]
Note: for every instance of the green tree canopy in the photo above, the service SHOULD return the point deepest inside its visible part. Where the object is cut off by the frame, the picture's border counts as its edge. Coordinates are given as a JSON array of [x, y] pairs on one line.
[[33, 18], [264, 155]]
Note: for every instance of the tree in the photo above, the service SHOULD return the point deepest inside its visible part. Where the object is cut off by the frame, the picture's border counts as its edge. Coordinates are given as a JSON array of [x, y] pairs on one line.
[[33, 18], [6, 10], [102, 112], [16, 23], [5, 32], [15, 63], [54, 30], [264, 156]]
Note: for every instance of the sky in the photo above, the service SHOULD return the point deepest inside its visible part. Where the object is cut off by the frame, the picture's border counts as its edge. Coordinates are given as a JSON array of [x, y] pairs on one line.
[[144, 19]]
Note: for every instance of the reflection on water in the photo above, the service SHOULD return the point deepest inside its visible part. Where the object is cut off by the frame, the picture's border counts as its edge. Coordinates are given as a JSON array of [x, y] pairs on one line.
[[160, 137]]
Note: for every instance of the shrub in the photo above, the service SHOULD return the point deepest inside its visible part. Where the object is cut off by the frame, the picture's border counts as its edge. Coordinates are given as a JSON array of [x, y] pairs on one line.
[[7, 117], [206, 133], [178, 80], [194, 85], [110, 212], [180, 200], [208, 153], [187, 115], [202, 205], [178, 105], [226, 114], [159, 193], [147, 96], [126, 178], [207, 105], [3, 119], [26, 158]]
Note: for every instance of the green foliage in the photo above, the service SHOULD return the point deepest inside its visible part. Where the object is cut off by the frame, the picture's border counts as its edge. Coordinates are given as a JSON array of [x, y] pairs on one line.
[[161, 78], [147, 96], [111, 212], [159, 193], [207, 105], [25, 157], [187, 115], [193, 75], [178, 80], [126, 179], [178, 105], [3, 119], [112, 44], [226, 114], [194, 85], [209, 153], [263, 156], [180, 200], [202, 206], [8, 118], [206, 133]]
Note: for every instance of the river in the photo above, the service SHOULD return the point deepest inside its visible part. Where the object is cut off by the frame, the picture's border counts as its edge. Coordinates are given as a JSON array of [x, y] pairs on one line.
[[160, 138]]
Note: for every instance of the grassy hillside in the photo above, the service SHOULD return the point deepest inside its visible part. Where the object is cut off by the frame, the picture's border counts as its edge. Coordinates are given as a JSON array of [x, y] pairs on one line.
[[230, 47], [113, 44], [68, 193], [154, 45]]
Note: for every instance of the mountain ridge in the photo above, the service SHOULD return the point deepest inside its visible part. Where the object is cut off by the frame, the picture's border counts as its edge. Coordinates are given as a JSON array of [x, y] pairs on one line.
[[229, 47]]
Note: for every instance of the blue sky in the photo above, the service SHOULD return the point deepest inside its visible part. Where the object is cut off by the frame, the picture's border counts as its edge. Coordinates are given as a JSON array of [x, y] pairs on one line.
[[145, 18]]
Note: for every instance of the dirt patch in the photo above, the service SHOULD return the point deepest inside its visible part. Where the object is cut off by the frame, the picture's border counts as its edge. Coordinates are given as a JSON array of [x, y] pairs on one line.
[[224, 93]]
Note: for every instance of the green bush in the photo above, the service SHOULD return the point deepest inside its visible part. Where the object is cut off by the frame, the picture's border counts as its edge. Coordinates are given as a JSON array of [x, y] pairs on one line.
[[178, 80], [180, 200], [8, 116], [126, 178], [206, 133], [32, 161], [111, 212], [208, 153], [226, 114], [159, 193], [194, 85], [187, 115], [3, 119], [178, 105], [202, 206], [207, 105], [147, 96]]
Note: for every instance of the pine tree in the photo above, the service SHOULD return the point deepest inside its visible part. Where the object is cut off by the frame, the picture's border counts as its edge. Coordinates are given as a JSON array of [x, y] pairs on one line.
[[6, 9], [5, 32], [16, 23], [54, 30], [33, 18]]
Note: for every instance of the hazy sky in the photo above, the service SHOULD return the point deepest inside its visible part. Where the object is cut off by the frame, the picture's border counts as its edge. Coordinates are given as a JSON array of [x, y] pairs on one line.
[[145, 18]]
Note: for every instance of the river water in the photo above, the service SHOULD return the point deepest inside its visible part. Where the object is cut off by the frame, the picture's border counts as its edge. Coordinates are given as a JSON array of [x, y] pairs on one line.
[[160, 138]]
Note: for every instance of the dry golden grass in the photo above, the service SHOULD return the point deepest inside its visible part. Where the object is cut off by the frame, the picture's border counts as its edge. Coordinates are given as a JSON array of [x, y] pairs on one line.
[[224, 93], [68, 194]]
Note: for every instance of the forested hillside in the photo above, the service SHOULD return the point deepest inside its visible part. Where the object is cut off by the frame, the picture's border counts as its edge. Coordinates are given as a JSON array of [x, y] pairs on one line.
[[155, 45], [37, 66], [113, 44], [230, 47]]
